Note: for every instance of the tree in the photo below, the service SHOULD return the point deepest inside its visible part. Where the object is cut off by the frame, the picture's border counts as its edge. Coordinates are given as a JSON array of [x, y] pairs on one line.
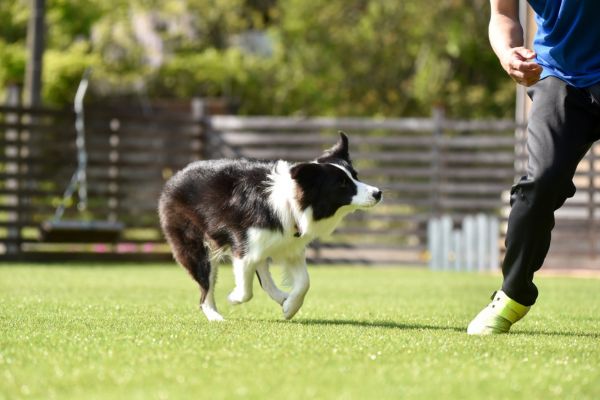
[[340, 57]]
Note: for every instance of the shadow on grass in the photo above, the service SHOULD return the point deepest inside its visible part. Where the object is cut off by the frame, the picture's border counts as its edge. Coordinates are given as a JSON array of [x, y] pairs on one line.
[[75, 265], [396, 325], [375, 324], [553, 333]]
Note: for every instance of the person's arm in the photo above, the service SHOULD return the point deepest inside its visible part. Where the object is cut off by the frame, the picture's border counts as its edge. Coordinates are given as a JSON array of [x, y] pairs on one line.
[[506, 38]]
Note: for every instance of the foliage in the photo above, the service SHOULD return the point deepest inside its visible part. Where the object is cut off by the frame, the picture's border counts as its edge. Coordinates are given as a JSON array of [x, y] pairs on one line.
[[340, 57], [393, 58], [63, 70], [211, 71], [13, 27], [12, 67], [73, 20], [129, 331], [13, 20]]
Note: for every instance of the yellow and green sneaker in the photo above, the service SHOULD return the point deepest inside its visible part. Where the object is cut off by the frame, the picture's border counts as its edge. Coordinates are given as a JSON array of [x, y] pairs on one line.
[[498, 316]]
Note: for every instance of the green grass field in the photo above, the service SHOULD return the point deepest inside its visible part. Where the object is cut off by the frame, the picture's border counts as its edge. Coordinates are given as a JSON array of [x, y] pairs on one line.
[[135, 332]]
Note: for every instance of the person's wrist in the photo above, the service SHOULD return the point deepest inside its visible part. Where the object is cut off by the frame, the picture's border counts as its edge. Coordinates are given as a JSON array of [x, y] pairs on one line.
[[505, 57]]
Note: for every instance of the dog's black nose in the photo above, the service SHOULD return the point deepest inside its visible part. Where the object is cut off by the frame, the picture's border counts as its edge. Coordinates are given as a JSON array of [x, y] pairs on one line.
[[377, 195]]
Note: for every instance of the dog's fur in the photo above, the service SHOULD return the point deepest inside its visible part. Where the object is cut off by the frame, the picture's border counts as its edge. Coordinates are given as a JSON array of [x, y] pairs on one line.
[[259, 212]]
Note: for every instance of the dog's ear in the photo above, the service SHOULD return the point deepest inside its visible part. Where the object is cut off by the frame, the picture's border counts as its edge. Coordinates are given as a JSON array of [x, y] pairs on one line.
[[305, 173], [339, 150]]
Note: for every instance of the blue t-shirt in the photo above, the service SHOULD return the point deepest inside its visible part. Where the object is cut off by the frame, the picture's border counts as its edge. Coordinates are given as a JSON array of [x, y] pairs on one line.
[[567, 41]]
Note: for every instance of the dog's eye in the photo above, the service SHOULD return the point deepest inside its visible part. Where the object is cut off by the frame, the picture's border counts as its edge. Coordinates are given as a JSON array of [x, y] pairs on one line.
[[344, 183]]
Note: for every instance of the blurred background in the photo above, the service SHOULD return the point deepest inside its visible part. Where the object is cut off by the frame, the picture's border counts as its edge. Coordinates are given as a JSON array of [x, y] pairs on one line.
[[432, 119], [267, 57]]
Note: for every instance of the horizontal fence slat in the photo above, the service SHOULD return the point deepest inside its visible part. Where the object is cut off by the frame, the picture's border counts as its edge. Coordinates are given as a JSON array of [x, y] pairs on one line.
[[405, 124]]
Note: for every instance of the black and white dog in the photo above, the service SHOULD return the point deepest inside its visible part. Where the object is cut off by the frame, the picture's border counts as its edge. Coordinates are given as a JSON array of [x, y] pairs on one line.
[[258, 212]]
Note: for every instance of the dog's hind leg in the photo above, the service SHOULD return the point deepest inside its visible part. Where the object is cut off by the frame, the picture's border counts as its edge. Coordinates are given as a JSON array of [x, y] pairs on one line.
[[190, 251], [207, 297], [243, 272], [266, 282], [206, 275]]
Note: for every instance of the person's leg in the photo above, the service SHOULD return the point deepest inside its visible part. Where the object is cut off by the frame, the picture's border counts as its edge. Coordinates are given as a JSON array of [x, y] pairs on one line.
[[564, 122]]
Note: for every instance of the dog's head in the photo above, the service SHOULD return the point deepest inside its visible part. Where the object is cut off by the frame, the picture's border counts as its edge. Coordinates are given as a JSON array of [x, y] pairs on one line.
[[330, 183]]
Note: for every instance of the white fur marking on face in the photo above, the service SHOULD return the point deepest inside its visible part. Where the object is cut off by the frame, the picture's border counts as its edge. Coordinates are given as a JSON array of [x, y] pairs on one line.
[[364, 196]]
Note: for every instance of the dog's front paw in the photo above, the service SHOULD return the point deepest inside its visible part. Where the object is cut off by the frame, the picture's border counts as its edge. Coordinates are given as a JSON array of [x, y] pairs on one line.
[[291, 306], [215, 317], [238, 297], [211, 313], [280, 297]]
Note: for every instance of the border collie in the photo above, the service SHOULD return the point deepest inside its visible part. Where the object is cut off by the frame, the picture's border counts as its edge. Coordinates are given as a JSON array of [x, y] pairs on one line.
[[258, 212]]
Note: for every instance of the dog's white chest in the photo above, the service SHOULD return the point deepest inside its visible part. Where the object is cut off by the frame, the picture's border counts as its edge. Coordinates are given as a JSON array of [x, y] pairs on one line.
[[265, 243]]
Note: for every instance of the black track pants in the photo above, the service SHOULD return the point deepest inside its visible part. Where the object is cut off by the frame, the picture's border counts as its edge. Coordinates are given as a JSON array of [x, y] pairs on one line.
[[563, 124]]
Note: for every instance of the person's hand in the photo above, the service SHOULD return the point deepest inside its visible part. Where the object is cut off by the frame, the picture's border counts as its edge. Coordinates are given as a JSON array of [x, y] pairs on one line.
[[517, 63]]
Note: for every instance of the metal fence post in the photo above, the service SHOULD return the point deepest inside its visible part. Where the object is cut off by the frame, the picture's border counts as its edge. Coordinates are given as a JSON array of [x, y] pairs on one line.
[[36, 32]]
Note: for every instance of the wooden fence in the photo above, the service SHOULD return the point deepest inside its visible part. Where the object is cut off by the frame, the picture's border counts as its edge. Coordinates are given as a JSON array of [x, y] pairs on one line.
[[425, 166]]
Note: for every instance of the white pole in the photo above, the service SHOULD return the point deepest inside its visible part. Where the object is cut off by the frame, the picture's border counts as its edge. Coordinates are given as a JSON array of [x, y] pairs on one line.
[[457, 251], [446, 239], [481, 237], [469, 242], [494, 239], [433, 242]]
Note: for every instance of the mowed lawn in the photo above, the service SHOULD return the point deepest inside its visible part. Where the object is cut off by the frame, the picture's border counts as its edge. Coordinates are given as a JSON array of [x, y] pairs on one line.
[[135, 332]]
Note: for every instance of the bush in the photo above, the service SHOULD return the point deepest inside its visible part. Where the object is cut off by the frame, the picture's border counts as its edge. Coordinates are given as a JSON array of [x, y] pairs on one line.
[[63, 71]]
